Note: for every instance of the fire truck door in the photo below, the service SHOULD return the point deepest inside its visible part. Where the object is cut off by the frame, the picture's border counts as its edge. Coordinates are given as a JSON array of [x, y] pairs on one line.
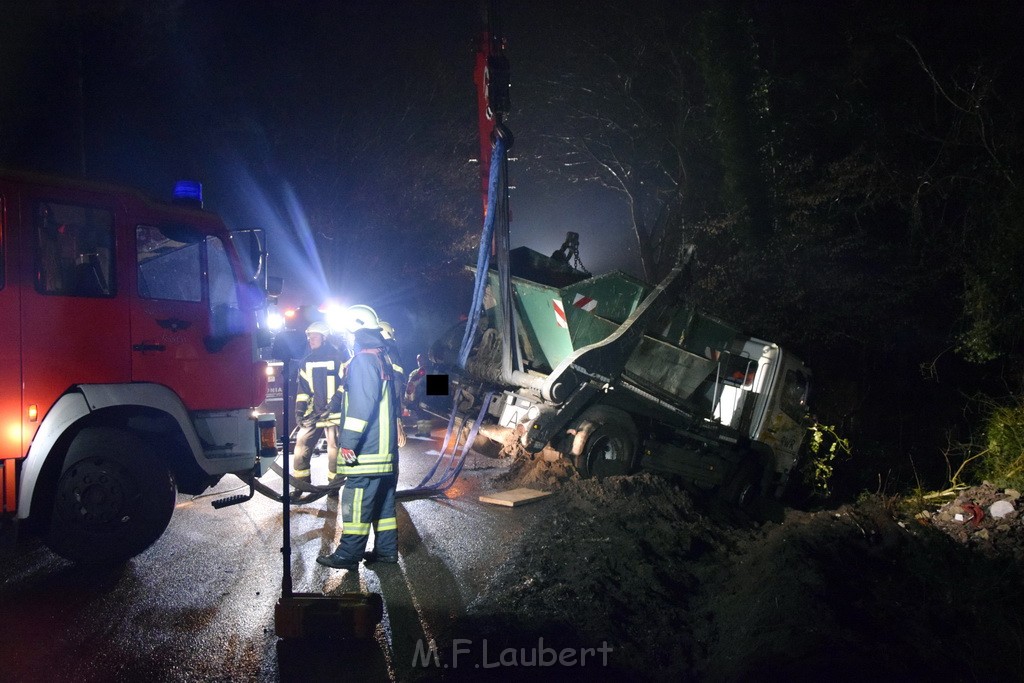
[[187, 329], [74, 312]]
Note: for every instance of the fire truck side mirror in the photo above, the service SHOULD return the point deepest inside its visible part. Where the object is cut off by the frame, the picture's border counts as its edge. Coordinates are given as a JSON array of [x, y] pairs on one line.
[[275, 286], [289, 345]]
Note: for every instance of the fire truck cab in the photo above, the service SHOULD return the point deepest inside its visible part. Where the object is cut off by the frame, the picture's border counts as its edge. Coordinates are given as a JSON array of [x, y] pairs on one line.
[[129, 361]]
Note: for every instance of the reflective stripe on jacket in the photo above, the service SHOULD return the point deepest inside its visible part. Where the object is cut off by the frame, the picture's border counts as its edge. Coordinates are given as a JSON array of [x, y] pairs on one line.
[[319, 379], [369, 427]]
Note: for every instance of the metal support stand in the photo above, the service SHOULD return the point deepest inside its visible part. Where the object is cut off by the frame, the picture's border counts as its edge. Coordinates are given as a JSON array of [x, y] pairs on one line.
[[314, 615], [286, 496]]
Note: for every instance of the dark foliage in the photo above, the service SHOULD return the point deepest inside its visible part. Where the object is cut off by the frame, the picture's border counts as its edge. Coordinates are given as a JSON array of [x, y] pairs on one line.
[[850, 178]]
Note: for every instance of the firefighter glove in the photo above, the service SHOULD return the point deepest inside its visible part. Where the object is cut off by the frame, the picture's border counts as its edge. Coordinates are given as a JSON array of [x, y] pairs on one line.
[[347, 455]]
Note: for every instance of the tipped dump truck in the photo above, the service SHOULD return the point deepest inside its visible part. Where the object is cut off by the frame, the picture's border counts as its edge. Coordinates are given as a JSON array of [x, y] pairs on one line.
[[617, 374]]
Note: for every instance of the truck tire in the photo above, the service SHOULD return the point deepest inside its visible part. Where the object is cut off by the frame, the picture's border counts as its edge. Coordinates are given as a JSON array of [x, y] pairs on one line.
[[745, 485], [610, 444], [114, 498]]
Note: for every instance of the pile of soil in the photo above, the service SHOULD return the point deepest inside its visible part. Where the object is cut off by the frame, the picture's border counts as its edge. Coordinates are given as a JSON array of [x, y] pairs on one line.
[[680, 592], [532, 470]]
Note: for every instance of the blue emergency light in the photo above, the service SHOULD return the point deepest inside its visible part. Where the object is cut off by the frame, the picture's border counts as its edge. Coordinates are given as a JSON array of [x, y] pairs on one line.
[[188, 192]]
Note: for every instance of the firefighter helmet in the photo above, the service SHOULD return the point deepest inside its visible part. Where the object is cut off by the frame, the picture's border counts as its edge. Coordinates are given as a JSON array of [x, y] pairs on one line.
[[360, 317], [387, 331], [319, 327]]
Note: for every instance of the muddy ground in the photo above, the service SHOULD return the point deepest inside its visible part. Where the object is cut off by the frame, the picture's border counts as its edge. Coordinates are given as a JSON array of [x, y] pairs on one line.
[[681, 589]]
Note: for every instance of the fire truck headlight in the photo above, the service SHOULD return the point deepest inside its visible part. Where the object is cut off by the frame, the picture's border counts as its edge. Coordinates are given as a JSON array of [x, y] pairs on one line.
[[291, 317]]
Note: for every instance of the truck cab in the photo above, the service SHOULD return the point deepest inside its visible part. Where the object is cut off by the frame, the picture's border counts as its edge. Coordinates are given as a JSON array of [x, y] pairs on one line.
[[130, 363]]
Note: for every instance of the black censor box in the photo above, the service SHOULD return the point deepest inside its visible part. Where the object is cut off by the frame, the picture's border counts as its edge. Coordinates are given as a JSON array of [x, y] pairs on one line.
[[437, 385]]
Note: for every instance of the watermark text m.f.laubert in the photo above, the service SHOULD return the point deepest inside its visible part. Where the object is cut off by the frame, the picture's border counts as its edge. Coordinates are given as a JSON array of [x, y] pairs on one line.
[[468, 653]]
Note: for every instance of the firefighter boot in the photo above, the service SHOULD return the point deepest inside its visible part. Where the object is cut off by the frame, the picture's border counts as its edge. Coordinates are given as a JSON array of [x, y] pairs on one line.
[[372, 556], [300, 485], [334, 561]]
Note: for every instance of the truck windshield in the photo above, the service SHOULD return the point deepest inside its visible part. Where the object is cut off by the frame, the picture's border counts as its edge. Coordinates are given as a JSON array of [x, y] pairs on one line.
[[793, 400], [178, 264], [168, 269]]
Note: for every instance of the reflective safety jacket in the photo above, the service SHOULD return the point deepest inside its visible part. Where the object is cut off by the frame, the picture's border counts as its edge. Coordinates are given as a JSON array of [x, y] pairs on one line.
[[318, 381], [370, 424]]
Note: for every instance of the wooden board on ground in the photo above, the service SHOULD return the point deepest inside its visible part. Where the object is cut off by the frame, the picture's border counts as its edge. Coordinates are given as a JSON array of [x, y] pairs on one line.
[[515, 497]]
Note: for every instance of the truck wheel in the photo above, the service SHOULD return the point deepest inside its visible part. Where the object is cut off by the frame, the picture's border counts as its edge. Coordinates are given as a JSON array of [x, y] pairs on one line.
[[611, 443], [113, 499], [745, 486]]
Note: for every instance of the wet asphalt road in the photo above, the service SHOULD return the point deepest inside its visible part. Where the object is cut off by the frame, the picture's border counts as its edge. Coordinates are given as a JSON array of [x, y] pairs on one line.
[[199, 604]]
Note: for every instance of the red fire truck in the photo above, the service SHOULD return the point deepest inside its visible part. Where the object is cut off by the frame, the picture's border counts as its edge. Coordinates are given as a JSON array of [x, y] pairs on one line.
[[129, 360]]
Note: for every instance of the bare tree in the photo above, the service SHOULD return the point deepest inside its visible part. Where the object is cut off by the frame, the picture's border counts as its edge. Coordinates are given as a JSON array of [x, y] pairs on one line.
[[615, 109]]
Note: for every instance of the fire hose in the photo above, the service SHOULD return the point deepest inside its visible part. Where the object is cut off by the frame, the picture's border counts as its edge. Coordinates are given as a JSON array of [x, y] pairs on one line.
[[497, 211], [308, 492], [454, 461]]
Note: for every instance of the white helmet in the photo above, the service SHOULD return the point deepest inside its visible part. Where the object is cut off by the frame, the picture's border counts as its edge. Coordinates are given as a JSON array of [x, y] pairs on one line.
[[387, 331], [360, 317], [318, 327]]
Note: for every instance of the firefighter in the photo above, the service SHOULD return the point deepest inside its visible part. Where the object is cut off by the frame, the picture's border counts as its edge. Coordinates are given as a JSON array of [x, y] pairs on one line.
[[319, 381], [368, 455], [415, 386]]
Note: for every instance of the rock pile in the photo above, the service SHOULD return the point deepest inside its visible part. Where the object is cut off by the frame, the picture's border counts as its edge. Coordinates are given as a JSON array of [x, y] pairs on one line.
[[983, 517]]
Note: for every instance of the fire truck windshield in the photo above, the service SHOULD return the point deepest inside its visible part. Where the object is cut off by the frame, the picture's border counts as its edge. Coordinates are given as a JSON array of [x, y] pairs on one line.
[[168, 268], [172, 269]]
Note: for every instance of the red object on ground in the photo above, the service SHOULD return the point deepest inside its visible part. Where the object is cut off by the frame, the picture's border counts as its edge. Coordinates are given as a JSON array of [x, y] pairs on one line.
[[977, 513]]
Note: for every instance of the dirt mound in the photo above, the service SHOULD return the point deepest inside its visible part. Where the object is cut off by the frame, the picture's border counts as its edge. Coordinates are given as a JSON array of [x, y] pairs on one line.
[[848, 593], [635, 563], [612, 564], [535, 471]]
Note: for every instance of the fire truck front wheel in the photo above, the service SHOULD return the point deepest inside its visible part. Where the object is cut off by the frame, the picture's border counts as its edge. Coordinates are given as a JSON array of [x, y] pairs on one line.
[[113, 499]]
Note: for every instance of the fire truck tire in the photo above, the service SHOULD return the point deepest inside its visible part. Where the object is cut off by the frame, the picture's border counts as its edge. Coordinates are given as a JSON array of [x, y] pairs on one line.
[[611, 445], [114, 498]]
